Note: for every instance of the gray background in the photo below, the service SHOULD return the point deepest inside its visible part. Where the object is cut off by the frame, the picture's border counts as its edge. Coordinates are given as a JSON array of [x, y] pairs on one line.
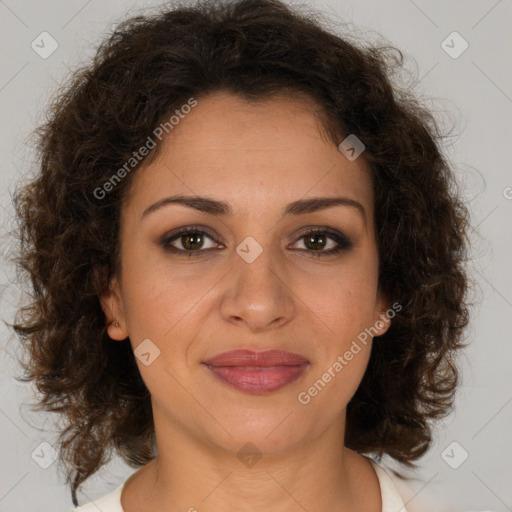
[[471, 94]]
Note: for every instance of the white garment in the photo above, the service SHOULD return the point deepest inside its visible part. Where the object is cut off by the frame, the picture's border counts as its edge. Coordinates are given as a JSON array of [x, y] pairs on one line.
[[391, 500]]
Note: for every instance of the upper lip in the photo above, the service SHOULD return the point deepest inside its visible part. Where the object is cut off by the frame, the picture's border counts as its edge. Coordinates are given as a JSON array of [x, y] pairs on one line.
[[266, 358]]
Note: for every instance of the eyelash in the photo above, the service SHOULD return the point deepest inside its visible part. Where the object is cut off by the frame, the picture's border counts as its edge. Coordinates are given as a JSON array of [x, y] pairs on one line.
[[343, 242]]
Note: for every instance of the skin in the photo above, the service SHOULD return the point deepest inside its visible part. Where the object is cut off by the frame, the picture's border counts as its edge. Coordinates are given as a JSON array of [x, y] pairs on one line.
[[258, 157]]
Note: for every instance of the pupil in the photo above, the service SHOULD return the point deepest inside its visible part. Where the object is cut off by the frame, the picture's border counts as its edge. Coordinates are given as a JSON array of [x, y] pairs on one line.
[[311, 238], [196, 240]]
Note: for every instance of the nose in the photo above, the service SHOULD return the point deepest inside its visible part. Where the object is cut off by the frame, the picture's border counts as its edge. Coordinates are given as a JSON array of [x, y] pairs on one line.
[[259, 295]]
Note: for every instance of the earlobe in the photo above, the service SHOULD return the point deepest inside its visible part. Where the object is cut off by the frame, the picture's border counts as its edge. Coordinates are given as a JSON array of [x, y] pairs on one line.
[[112, 308], [383, 321], [382, 324], [116, 331]]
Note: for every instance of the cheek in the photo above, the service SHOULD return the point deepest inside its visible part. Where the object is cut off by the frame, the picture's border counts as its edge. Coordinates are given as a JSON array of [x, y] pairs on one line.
[[169, 312], [343, 299], [161, 295], [342, 353], [330, 388]]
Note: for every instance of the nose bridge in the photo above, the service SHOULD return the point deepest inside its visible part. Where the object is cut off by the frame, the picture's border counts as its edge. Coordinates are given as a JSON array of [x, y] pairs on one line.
[[258, 294], [256, 266]]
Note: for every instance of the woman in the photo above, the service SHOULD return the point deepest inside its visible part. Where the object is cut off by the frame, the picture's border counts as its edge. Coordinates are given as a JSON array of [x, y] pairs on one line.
[[248, 262]]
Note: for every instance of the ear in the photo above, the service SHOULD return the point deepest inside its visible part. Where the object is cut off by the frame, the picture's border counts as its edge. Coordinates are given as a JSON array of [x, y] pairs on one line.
[[382, 317], [112, 306]]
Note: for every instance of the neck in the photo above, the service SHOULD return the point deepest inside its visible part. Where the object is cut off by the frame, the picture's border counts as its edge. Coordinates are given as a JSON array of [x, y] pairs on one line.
[[191, 475]]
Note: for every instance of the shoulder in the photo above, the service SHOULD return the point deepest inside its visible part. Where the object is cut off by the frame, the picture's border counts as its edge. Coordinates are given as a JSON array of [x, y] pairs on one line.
[[110, 502], [391, 499]]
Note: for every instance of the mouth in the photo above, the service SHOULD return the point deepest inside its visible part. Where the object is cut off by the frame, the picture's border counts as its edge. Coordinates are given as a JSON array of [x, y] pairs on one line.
[[257, 372]]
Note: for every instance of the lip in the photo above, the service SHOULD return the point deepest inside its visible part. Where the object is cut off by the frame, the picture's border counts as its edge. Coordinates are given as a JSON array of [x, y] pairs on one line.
[[263, 359], [257, 372]]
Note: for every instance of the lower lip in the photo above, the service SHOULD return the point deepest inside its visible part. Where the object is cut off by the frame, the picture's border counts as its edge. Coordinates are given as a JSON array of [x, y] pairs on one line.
[[258, 380]]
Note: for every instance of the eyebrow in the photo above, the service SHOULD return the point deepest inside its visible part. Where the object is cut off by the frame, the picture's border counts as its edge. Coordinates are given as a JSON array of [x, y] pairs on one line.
[[221, 208]]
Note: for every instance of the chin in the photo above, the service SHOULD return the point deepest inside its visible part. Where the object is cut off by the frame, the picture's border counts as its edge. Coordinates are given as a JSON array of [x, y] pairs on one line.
[[270, 433]]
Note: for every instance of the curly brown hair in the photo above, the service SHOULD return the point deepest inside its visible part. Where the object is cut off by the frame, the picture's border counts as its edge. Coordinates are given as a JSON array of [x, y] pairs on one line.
[[68, 236]]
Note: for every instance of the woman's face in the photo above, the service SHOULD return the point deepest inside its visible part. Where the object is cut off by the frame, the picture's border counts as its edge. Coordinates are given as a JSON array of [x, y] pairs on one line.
[[254, 279]]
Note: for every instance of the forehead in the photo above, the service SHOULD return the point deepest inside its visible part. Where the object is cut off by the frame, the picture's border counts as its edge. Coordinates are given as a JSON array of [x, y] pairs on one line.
[[274, 150]]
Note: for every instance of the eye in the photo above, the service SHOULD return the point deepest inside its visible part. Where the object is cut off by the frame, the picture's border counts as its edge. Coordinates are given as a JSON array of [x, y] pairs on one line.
[[316, 239], [191, 240]]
